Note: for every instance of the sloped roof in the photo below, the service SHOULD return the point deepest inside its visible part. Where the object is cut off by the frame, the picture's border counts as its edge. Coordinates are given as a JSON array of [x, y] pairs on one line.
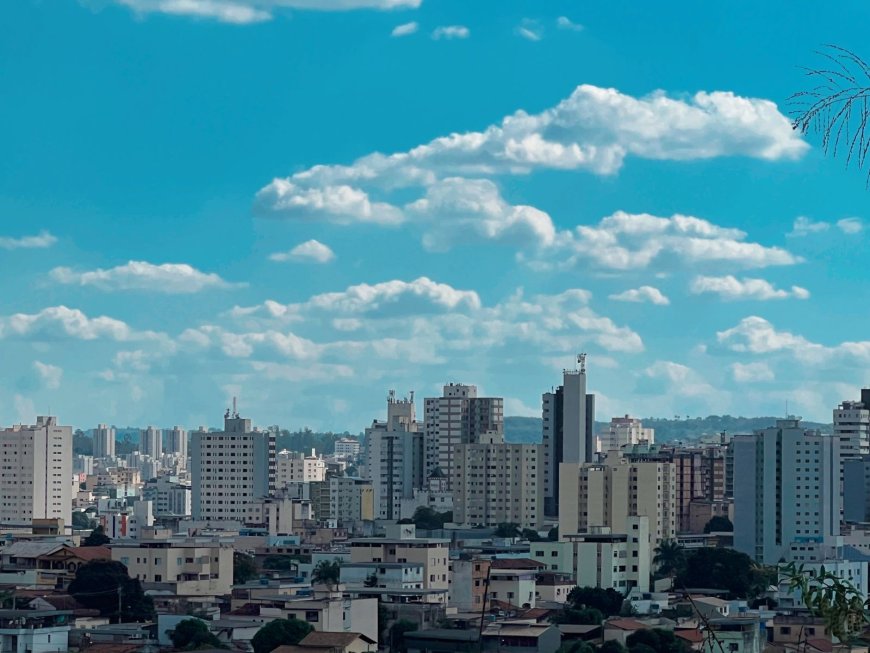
[[91, 552], [30, 549], [516, 563], [691, 635], [625, 624]]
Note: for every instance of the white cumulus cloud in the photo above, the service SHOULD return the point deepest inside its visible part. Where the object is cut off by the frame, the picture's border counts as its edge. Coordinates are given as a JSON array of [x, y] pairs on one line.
[[643, 294], [530, 30], [731, 288], [751, 372], [311, 251], [50, 375], [170, 278], [563, 22], [451, 32], [62, 322], [405, 29], [40, 241], [245, 12], [851, 225]]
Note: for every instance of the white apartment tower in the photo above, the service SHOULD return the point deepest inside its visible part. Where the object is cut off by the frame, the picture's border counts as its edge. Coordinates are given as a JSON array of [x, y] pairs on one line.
[[568, 421], [786, 489], [395, 457], [230, 469], [151, 442], [296, 467], [176, 443], [497, 483], [104, 441], [35, 472], [459, 416], [623, 432]]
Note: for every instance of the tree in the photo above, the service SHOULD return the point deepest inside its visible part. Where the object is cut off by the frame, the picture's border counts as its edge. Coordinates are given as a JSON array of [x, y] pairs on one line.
[[576, 646], [670, 558], [531, 535], [244, 567], [192, 634], [97, 585], [81, 521], [507, 529], [837, 106], [571, 615], [428, 519], [723, 569], [719, 524], [553, 534], [280, 632], [607, 601], [97, 537], [326, 573], [656, 640], [371, 580], [397, 635], [611, 646]]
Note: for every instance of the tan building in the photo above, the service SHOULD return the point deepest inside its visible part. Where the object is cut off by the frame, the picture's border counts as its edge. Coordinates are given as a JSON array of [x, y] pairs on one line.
[[36, 470], [403, 545], [296, 467], [622, 432], [495, 483], [183, 567], [608, 494]]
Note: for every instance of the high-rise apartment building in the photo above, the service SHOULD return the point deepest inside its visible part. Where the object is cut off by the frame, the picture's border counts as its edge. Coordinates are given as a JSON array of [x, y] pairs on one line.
[[151, 442], [230, 468], [568, 421], [496, 483], [36, 472], [607, 494], [856, 489], [104, 441], [395, 457], [622, 432], [852, 426], [296, 467], [176, 442], [459, 416], [786, 489]]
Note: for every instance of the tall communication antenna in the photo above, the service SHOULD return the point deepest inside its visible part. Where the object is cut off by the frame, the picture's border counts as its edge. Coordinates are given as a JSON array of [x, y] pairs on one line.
[[581, 361], [235, 411]]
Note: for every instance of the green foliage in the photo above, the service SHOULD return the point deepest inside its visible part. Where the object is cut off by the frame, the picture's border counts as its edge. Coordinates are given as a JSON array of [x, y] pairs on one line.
[[836, 600], [192, 634], [97, 537], [607, 601], [553, 534], [507, 529], [719, 524], [611, 646], [576, 646], [280, 632], [82, 444], [397, 635], [244, 568], [81, 521], [670, 558], [428, 519], [531, 535], [371, 580], [383, 619], [724, 569], [306, 440], [96, 586], [326, 572], [655, 640], [571, 615]]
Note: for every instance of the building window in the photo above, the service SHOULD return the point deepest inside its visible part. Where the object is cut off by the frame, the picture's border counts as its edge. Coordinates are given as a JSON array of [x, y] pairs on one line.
[[312, 615]]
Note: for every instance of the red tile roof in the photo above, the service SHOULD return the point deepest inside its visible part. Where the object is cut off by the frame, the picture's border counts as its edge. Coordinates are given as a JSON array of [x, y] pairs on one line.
[[692, 635], [324, 639], [516, 563], [625, 624]]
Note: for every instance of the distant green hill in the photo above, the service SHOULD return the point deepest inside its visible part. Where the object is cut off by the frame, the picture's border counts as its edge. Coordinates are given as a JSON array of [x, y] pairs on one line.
[[528, 429]]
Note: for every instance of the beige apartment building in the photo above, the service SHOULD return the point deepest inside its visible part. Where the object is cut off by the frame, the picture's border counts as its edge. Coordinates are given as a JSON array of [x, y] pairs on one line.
[[403, 545], [35, 472], [608, 494], [495, 483], [296, 467], [183, 567]]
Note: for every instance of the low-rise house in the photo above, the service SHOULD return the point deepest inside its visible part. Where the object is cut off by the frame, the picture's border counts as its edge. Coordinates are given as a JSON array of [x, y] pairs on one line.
[[514, 581], [324, 642], [733, 635], [521, 637], [553, 586], [34, 630]]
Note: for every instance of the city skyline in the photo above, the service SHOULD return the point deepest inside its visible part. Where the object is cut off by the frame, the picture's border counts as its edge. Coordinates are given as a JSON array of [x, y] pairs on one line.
[[473, 197]]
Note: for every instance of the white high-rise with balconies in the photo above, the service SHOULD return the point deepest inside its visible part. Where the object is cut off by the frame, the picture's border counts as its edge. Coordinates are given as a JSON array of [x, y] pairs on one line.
[[852, 426], [104, 441], [230, 469], [459, 416], [623, 432], [151, 442], [36, 472]]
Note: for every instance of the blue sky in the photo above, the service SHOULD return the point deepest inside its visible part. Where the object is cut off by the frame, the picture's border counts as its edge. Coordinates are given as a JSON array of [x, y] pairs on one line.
[[491, 190]]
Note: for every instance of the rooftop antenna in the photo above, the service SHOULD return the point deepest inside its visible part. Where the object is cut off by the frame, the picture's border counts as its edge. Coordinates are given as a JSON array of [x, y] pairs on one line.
[[412, 396], [581, 360], [391, 396], [786, 408], [235, 412]]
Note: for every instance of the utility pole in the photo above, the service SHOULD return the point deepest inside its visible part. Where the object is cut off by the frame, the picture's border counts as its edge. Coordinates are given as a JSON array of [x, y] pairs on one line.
[[119, 602]]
